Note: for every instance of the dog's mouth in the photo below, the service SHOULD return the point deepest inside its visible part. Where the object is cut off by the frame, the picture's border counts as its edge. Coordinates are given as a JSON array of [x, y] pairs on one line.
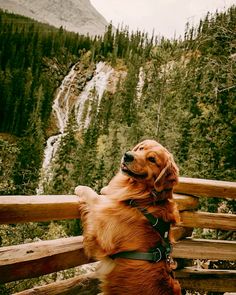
[[128, 171]]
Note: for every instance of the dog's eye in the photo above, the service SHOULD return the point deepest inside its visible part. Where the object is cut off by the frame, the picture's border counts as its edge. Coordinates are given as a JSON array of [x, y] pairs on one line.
[[141, 148], [152, 159]]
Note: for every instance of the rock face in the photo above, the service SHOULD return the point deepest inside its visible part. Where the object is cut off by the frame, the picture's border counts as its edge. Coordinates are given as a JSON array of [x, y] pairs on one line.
[[73, 15], [77, 92]]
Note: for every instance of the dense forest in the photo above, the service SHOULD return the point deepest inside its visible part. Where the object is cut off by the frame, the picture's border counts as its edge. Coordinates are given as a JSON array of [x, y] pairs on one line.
[[186, 102]]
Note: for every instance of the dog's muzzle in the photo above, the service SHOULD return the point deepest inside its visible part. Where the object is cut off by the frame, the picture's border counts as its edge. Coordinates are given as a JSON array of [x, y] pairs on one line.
[[128, 157]]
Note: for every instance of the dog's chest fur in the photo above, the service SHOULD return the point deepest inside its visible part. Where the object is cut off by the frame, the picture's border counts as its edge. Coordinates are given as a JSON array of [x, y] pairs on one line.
[[116, 227]]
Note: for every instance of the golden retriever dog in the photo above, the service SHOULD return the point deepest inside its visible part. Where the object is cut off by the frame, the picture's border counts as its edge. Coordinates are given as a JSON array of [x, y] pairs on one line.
[[127, 226]]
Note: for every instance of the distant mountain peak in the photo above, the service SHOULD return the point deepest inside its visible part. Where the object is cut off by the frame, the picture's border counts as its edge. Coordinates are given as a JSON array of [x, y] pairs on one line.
[[73, 15]]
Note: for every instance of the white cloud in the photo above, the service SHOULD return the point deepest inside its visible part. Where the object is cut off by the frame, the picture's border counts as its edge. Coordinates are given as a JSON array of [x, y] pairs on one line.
[[165, 16]]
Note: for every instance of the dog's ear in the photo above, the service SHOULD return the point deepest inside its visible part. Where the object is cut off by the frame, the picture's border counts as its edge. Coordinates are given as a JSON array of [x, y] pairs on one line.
[[169, 177]]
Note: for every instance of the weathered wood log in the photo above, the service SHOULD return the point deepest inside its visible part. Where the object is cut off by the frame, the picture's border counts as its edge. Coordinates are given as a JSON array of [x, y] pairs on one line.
[[190, 278], [208, 220], [83, 285], [205, 249], [207, 279], [35, 208], [17, 209], [35, 259], [39, 258], [186, 202], [206, 188], [179, 232]]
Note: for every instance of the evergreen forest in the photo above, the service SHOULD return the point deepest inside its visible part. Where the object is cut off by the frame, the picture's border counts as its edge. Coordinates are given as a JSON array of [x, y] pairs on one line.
[[186, 102]]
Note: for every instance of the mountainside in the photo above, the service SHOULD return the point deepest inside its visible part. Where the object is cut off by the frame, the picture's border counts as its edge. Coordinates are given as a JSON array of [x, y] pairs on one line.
[[70, 105], [73, 15], [79, 96]]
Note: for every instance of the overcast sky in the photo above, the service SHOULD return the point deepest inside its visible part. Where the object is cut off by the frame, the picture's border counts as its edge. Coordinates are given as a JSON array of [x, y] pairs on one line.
[[166, 17]]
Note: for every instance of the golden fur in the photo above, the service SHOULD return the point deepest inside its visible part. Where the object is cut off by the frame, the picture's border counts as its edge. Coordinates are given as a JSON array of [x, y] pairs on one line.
[[110, 226]]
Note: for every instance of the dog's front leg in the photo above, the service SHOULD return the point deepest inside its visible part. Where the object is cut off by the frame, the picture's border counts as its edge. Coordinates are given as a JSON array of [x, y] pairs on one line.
[[86, 194]]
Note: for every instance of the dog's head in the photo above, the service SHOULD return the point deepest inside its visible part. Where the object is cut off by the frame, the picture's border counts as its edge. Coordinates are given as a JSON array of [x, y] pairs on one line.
[[149, 162]]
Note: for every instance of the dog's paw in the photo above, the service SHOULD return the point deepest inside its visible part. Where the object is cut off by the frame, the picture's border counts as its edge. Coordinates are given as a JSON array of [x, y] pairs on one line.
[[86, 194], [80, 190], [104, 190]]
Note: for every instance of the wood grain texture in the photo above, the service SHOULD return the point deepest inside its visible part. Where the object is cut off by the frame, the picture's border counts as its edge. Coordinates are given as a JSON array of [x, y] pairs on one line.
[[206, 188], [189, 278], [16, 209], [39, 258], [179, 232], [185, 202], [207, 279], [205, 249], [83, 285], [19, 209], [208, 220]]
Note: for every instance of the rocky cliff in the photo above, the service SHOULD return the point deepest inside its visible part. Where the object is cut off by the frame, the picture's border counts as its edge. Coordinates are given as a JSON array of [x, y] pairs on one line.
[[73, 15]]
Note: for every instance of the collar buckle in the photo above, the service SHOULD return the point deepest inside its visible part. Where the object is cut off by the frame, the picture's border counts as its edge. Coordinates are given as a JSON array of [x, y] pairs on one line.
[[157, 255]]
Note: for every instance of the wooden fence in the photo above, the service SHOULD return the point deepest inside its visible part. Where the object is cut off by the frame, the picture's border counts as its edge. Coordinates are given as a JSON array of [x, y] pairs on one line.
[[39, 258]]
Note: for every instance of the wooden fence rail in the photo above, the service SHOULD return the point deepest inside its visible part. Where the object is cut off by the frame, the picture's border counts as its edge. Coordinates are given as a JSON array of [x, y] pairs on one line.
[[206, 188], [39, 258]]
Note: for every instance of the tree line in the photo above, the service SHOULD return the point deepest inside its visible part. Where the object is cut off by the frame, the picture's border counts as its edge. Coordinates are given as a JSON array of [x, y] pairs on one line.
[[187, 103], [34, 58]]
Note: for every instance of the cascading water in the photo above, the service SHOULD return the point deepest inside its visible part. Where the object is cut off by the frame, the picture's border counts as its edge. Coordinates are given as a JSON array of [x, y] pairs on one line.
[[64, 102], [61, 103], [141, 78], [94, 87]]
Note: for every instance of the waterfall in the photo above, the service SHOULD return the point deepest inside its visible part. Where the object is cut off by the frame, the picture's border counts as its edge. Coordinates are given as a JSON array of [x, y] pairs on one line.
[[96, 85], [141, 78], [63, 104]]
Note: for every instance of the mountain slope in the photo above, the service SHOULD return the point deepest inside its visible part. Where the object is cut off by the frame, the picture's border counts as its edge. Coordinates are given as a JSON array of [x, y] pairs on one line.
[[74, 15], [181, 93]]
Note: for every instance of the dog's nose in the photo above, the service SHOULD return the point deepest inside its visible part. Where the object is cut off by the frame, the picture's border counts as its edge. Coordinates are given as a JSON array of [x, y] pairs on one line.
[[128, 157]]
